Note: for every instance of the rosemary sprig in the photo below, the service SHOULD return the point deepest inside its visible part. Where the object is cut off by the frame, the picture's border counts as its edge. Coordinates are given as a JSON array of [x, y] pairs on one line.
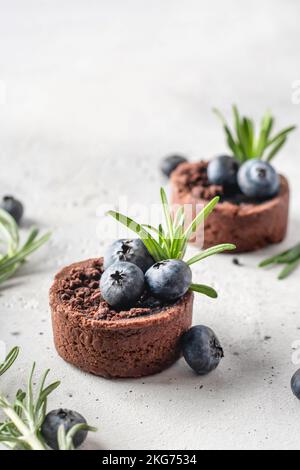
[[65, 440], [170, 242], [291, 258], [9, 360], [15, 254], [245, 144], [26, 414]]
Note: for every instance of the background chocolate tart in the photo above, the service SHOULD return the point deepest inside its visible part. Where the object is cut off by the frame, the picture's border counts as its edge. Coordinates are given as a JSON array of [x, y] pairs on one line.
[[249, 224], [90, 335]]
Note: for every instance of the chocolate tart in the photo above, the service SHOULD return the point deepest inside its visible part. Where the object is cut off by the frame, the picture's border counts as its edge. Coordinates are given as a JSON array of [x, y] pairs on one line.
[[249, 224], [90, 335]]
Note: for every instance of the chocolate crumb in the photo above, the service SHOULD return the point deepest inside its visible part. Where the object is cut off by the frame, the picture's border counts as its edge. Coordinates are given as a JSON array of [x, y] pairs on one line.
[[237, 262]]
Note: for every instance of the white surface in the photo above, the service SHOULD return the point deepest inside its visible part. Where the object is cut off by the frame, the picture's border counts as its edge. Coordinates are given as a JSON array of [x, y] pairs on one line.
[[96, 93]]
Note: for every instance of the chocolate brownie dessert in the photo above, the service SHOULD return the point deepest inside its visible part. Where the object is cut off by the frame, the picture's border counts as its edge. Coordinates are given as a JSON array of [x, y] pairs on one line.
[[250, 224], [98, 339]]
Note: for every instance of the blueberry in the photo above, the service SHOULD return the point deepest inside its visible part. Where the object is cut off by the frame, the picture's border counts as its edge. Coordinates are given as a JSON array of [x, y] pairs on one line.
[[122, 284], [170, 163], [132, 251], [201, 349], [169, 279], [13, 207], [295, 384], [223, 171], [258, 179], [66, 417]]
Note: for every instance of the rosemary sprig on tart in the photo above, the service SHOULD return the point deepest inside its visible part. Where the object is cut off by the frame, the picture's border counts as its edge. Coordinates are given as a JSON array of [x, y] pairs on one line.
[[246, 144], [169, 242]]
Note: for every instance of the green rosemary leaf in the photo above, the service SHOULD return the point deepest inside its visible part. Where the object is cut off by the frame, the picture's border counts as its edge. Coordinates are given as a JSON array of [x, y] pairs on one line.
[[4, 439], [268, 261], [9, 360], [8, 273], [276, 149], [31, 237], [167, 213], [44, 392], [235, 148], [240, 132], [248, 130], [161, 236], [65, 440], [149, 227], [179, 218], [261, 144], [266, 127], [19, 402], [290, 267], [9, 228], [281, 134], [29, 394], [151, 244], [211, 251], [206, 290], [290, 256], [267, 123], [220, 116], [200, 218]]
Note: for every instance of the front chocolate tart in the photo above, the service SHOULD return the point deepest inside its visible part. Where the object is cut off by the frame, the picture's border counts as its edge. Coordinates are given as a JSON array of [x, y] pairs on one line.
[[90, 335], [249, 224]]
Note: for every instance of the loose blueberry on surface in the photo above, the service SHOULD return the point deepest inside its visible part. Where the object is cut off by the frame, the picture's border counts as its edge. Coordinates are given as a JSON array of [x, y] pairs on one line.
[[66, 417], [13, 207], [295, 384], [132, 251], [122, 284], [201, 349], [258, 179], [170, 163], [169, 279], [223, 171]]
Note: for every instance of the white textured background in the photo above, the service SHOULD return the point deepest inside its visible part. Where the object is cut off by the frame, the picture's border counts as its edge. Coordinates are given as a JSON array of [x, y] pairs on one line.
[[96, 93]]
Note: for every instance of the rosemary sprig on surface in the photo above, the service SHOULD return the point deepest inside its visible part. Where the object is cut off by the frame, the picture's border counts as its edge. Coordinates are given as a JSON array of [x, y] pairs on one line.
[[26, 414], [15, 254], [245, 144], [291, 258], [9, 360], [170, 242]]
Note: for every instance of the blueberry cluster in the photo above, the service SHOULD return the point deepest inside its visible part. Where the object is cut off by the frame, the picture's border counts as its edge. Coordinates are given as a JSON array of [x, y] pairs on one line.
[[254, 178], [130, 269]]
